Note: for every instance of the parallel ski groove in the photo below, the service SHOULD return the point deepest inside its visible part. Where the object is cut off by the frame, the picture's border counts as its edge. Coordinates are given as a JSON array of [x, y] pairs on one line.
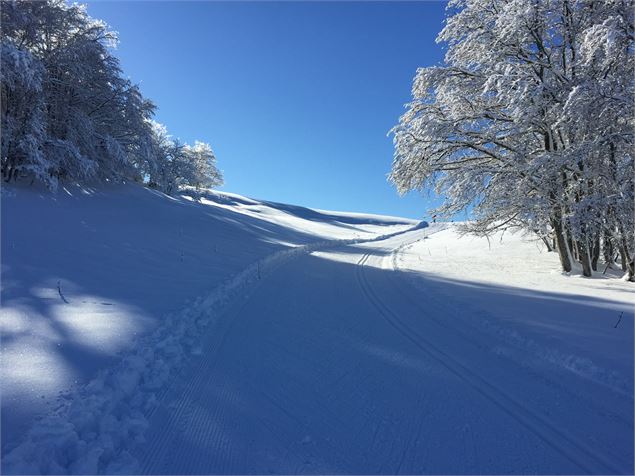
[[153, 455], [573, 450]]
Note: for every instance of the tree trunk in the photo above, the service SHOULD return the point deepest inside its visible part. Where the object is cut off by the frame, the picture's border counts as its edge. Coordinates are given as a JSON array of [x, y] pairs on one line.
[[595, 253], [628, 263], [572, 248], [561, 241], [583, 253], [547, 244], [623, 258], [607, 248]]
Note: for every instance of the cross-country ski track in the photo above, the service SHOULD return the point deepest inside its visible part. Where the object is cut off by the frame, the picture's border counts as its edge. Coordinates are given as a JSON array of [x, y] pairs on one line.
[[334, 362]]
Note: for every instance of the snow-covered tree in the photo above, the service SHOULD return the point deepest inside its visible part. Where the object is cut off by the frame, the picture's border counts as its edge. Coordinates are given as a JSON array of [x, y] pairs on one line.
[[206, 173], [177, 164], [529, 121], [68, 112], [23, 124]]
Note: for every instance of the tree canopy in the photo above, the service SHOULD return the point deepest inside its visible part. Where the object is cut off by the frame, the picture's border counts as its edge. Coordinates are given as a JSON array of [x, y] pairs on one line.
[[69, 114], [529, 123]]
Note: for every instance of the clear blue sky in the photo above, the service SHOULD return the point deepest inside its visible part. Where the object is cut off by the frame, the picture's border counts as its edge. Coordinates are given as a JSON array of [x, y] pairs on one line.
[[296, 98]]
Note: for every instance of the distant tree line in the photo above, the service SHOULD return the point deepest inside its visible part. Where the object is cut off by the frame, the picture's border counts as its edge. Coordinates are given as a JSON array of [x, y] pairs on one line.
[[69, 114], [529, 122]]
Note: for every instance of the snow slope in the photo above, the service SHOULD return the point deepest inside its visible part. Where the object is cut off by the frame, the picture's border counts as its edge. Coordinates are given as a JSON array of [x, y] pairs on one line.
[[342, 362], [568, 316], [339, 344], [87, 271]]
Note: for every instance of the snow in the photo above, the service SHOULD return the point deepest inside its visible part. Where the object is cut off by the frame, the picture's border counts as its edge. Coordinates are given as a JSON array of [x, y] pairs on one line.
[[213, 333], [125, 259], [568, 315]]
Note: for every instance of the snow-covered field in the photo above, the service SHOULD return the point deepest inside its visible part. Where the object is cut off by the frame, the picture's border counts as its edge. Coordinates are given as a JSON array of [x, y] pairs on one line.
[[88, 271], [212, 333]]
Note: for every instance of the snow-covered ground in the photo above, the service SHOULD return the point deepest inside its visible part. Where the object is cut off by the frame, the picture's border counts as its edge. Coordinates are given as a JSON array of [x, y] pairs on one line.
[[85, 272], [213, 333], [512, 286]]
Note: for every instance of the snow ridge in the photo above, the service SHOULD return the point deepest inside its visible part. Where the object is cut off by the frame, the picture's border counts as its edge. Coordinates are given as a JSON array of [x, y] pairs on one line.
[[96, 429]]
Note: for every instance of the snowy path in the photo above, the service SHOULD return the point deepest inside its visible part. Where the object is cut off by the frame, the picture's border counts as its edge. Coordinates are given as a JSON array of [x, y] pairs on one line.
[[335, 363]]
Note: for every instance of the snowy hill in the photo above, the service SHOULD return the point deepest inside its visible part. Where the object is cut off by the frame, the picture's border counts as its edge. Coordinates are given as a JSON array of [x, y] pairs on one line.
[[86, 271], [214, 333]]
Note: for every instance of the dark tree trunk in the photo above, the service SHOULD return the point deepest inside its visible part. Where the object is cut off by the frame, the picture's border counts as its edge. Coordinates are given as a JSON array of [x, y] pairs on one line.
[[583, 253], [546, 240], [631, 270], [595, 253], [575, 249], [623, 258], [572, 248], [628, 263], [607, 248], [561, 242]]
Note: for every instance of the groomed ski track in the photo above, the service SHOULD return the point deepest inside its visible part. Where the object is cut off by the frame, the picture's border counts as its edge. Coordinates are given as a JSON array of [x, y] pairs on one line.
[[332, 362]]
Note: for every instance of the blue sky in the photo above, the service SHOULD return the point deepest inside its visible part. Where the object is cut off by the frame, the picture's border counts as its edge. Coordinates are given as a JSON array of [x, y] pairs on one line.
[[296, 98]]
